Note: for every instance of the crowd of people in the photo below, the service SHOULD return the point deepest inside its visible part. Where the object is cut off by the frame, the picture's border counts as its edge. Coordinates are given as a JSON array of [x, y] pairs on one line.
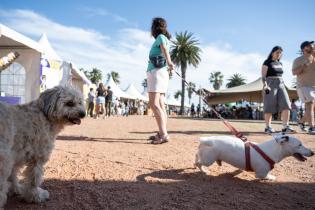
[[101, 104]]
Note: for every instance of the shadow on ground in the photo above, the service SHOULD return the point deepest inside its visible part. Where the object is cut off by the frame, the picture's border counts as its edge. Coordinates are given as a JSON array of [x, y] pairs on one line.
[[199, 132], [174, 189], [107, 140]]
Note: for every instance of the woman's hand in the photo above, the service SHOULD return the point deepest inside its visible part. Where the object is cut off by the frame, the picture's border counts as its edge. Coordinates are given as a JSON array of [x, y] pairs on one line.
[[170, 66]]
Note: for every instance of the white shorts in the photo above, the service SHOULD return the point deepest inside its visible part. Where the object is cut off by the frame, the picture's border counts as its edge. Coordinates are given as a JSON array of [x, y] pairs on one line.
[[306, 94], [158, 80]]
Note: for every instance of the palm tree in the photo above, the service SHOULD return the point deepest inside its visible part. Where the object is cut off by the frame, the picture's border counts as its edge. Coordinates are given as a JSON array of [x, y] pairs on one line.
[[177, 94], [185, 52], [144, 83], [190, 90], [94, 76], [216, 78], [235, 80], [115, 76]]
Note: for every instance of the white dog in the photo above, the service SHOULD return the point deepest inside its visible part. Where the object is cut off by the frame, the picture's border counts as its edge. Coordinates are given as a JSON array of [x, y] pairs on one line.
[[27, 135], [232, 150]]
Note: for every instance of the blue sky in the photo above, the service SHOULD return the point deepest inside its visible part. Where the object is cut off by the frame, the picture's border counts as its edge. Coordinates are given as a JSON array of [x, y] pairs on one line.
[[235, 36]]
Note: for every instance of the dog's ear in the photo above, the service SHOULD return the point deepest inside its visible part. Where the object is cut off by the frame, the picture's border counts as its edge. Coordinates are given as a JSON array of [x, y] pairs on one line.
[[281, 138], [48, 99]]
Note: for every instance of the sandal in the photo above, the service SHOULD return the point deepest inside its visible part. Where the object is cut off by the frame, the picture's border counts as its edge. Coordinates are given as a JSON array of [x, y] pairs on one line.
[[157, 135], [160, 140]]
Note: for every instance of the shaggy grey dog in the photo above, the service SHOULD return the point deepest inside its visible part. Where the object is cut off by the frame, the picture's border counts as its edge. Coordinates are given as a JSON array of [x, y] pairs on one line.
[[27, 135]]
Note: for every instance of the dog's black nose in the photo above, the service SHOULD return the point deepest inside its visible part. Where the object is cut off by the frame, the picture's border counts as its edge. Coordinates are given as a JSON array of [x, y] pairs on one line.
[[82, 114], [312, 153]]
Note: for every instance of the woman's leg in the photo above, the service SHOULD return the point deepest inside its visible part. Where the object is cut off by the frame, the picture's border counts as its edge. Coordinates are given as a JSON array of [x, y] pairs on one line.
[[268, 117], [162, 104], [154, 100], [97, 110], [285, 117]]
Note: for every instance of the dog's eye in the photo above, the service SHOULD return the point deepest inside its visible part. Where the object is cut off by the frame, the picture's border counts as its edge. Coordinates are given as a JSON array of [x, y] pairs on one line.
[[300, 145], [70, 103]]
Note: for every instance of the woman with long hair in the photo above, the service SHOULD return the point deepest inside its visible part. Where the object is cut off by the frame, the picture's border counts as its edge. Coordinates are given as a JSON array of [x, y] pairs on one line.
[[100, 100], [276, 98], [158, 70]]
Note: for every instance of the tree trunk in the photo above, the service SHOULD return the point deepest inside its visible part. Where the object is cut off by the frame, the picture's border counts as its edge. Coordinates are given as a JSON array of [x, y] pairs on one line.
[[182, 107]]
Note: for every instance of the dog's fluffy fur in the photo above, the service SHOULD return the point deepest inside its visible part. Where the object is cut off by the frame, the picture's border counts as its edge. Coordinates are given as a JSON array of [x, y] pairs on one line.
[[232, 150], [27, 134]]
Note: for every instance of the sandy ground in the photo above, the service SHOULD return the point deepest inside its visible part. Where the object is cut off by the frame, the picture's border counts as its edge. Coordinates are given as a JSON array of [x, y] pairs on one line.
[[108, 164]]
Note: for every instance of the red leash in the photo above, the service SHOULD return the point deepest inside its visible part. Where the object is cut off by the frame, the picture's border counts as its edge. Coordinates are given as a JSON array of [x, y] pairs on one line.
[[233, 130]]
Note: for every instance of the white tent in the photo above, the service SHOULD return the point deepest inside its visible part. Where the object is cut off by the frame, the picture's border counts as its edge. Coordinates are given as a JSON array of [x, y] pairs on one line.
[[28, 62], [117, 92], [132, 91], [48, 51], [66, 73], [171, 101]]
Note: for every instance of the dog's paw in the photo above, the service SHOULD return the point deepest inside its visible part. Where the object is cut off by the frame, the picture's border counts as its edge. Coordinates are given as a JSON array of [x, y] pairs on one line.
[[37, 195], [205, 169], [270, 177], [41, 196], [15, 189]]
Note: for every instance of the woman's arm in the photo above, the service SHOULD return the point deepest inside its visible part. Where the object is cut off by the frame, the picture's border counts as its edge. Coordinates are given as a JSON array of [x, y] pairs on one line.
[[264, 70], [167, 57]]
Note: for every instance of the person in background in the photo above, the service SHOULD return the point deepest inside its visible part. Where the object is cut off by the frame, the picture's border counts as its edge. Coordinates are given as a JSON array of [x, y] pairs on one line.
[[276, 98], [141, 107], [198, 110], [294, 110], [304, 69], [108, 103], [91, 97], [158, 77], [192, 110], [117, 107], [100, 100]]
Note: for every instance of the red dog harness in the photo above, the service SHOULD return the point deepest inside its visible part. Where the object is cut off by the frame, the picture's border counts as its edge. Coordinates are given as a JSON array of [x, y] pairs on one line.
[[262, 153]]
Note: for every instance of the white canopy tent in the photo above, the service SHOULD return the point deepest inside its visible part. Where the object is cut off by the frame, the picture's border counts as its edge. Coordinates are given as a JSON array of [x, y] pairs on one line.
[[48, 51], [132, 91], [171, 101], [117, 92], [68, 72], [28, 62]]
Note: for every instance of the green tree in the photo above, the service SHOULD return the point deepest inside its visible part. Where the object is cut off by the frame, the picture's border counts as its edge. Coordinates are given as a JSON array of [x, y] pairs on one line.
[[235, 80], [185, 52], [94, 76], [216, 79], [144, 83], [190, 90], [115, 76], [177, 94]]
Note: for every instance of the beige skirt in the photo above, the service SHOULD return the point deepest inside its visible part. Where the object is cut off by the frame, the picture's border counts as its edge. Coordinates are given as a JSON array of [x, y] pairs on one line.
[[158, 80]]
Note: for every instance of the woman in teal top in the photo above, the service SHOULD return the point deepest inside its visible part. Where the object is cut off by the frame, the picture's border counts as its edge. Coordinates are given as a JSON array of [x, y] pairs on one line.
[[158, 77]]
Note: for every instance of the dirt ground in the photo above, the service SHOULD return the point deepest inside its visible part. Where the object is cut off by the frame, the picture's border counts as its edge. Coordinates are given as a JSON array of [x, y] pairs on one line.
[[108, 164]]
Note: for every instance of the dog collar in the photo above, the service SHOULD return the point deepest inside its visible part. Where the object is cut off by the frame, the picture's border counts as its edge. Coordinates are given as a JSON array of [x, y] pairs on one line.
[[262, 154]]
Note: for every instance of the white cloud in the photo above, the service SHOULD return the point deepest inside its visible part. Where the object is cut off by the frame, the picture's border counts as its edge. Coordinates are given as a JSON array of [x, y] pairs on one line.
[[92, 12], [127, 52]]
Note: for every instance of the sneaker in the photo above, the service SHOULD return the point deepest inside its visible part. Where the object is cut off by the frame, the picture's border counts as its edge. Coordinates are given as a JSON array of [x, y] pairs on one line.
[[288, 129], [302, 127], [269, 130], [311, 131]]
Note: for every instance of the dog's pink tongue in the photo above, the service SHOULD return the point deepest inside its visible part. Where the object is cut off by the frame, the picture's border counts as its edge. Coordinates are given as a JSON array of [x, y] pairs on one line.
[[77, 121]]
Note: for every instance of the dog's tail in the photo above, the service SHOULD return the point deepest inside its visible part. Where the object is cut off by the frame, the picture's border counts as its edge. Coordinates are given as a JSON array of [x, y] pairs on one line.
[[206, 141]]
